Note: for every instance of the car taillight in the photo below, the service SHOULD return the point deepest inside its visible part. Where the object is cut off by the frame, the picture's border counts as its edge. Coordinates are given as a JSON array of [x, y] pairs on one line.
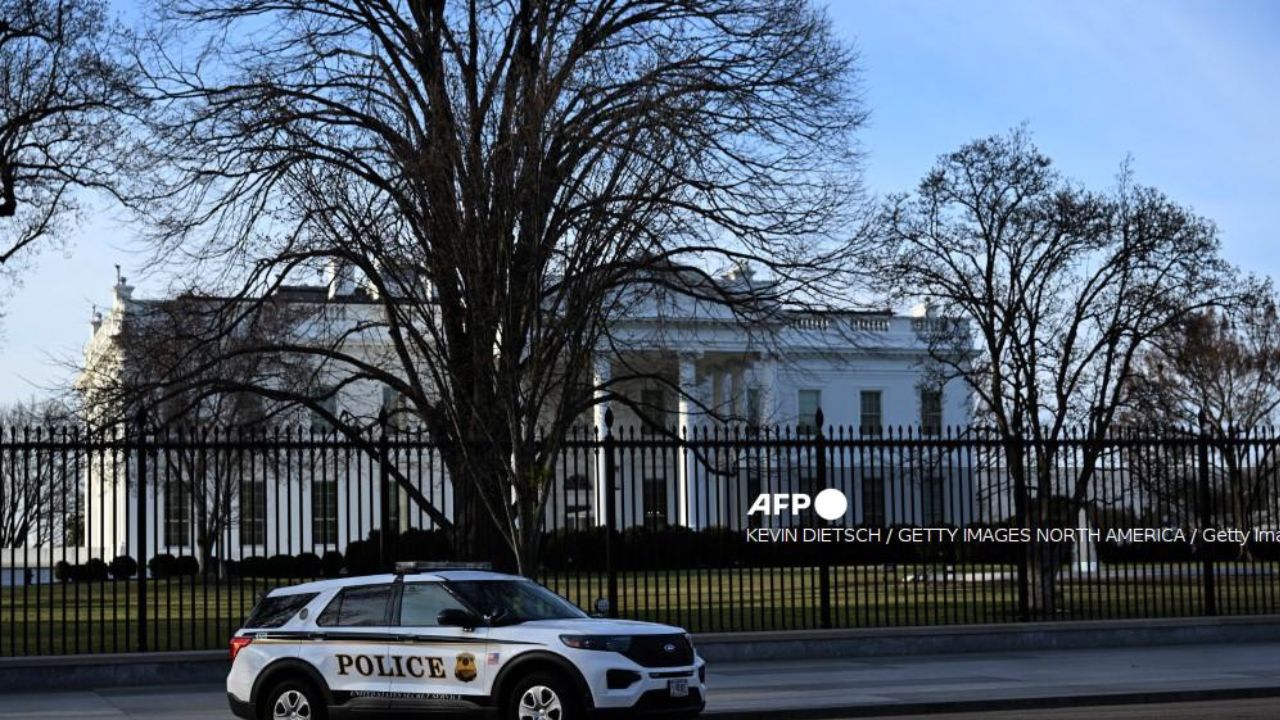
[[237, 644]]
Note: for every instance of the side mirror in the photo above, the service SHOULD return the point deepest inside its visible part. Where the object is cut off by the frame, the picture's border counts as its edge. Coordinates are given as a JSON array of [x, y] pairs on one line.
[[457, 617]]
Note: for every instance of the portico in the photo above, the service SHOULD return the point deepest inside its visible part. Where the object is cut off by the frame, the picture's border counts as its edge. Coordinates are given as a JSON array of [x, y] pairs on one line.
[[679, 394]]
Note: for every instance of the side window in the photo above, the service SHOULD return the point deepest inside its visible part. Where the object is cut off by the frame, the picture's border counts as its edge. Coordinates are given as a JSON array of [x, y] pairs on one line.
[[422, 602], [276, 610], [357, 607]]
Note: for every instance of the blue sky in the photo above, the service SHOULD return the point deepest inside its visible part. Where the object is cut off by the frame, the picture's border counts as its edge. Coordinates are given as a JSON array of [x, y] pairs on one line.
[[1190, 88]]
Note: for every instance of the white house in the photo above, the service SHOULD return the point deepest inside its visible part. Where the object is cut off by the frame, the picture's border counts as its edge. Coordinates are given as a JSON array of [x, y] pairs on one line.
[[707, 373]]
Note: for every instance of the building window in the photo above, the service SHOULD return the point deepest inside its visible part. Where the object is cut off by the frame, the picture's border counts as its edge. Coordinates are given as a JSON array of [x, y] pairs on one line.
[[809, 401], [579, 517], [249, 410], [581, 395], [177, 518], [655, 503], [931, 502], [872, 501], [577, 482], [755, 407], [327, 401], [253, 512], [396, 408], [931, 411], [871, 417], [324, 512], [653, 407]]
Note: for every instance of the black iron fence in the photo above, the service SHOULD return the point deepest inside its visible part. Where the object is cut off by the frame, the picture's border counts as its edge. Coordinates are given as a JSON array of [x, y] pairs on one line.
[[149, 541]]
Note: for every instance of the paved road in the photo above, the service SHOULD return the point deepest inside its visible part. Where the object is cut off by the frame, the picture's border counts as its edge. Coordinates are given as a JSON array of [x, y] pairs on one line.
[[977, 679], [853, 686], [204, 703], [1264, 709]]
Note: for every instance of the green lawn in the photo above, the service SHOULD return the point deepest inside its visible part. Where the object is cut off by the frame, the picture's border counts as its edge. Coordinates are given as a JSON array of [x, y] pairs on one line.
[[188, 614], [183, 614], [866, 596]]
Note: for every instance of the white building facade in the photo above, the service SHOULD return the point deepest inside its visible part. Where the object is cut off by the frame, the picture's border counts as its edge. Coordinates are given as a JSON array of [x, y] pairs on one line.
[[705, 377]]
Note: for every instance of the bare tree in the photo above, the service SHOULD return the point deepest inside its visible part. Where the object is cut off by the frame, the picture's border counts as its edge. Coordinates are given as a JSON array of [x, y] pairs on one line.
[[128, 381], [1216, 376], [1059, 290], [39, 487], [63, 95], [504, 178]]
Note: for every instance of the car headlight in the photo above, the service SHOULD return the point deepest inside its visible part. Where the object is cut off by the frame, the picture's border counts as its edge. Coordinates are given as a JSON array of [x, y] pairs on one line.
[[604, 643]]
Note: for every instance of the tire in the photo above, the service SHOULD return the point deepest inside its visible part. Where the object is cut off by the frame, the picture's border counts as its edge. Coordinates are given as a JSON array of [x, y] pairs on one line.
[[293, 700], [542, 696]]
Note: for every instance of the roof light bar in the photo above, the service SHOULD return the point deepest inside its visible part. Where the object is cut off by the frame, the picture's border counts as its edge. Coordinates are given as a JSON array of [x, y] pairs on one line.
[[413, 566]]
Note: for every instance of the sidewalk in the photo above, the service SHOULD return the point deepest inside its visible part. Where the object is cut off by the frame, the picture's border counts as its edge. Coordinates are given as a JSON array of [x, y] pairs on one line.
[[841, 688], [820, 688]]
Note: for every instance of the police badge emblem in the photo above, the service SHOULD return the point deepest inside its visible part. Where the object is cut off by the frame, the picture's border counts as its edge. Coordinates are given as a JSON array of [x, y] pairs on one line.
[[465, 668]]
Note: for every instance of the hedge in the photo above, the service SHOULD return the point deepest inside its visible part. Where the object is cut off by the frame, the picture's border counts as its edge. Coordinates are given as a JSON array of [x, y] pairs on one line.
[[123, 567], [362, 556], [93, 570]]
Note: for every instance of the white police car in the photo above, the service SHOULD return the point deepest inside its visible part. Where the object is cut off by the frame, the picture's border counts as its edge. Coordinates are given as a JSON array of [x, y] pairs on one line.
[[449, 641]]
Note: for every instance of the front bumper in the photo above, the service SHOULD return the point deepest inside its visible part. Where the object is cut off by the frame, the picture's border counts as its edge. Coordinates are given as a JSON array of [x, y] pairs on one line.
[[649, 695], [658, 704]]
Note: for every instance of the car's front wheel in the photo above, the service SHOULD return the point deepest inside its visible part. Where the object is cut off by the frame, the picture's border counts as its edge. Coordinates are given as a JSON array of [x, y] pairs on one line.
[[542, 696], [292, 700]]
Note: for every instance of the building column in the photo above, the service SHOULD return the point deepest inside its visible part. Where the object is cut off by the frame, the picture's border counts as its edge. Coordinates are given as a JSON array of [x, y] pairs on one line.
[[716, 402], [687, 384], [720, 399], [601, 374], [737, 394], [767, 376]]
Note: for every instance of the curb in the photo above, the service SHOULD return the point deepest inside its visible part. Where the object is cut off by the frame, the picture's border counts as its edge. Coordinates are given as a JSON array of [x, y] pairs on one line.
[[62, 672], [998, 704], [778, 645]]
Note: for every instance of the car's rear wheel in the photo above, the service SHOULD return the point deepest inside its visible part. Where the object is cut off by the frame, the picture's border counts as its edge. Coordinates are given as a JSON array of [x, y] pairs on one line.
[[292, 700], [542, 696]]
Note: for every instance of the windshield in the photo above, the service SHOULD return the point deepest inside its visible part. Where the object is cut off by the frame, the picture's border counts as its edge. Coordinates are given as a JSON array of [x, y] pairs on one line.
[[515, 601]]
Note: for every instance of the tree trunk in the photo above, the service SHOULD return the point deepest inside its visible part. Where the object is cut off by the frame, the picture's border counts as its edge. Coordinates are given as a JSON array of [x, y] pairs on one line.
[[1044, 558], [528, 554], [204, 552], [1042, 579], [476, 536]]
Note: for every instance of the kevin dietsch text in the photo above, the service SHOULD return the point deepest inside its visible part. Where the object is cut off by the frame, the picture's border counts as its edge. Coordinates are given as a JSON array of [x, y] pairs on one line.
[[886, 536]]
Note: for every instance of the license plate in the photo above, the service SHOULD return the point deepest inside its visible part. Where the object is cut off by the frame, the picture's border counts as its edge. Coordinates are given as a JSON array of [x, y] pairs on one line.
[[678, 688]]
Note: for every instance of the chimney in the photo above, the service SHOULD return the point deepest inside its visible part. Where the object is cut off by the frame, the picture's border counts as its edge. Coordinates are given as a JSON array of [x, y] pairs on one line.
[[95, 321]]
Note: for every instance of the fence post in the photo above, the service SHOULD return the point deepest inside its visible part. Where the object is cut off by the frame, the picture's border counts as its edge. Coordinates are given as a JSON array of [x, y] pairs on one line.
[[384, 495], [140, 447], [610, 511], [824, 557], [1206, 517], [1020, 518]]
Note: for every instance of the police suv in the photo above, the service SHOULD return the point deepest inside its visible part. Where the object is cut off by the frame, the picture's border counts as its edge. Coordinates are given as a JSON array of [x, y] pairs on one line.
[[453, 641]]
